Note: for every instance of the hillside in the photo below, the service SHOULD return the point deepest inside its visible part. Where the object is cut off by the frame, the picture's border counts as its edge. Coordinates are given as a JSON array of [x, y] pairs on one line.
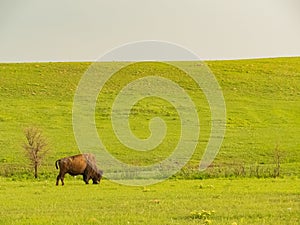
[[262, 102]]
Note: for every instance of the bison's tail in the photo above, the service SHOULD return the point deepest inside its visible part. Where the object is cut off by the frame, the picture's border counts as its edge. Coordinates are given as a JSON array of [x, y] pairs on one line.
[[56, 163]]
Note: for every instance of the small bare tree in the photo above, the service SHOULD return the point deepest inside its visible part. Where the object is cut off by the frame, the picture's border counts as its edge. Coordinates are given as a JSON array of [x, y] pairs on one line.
[[35, 147]]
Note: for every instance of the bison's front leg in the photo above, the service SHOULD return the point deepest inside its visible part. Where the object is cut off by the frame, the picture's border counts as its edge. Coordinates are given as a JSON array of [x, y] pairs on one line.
[[95, 181], [86, 178]]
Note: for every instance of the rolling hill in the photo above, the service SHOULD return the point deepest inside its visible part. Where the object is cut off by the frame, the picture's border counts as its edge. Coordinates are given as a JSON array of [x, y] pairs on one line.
[[262, 99]]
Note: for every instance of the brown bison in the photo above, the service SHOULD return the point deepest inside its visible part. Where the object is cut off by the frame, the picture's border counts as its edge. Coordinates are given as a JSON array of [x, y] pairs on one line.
[[82, 164]]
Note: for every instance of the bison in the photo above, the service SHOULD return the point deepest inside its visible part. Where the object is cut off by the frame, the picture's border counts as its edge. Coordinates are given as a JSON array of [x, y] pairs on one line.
[[82, 164]]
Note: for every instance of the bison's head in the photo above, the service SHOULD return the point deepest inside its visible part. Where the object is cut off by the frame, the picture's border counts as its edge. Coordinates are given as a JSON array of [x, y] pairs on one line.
[[97, 177]]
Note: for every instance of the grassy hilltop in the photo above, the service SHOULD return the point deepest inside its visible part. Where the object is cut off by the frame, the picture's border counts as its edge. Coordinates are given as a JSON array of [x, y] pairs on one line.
[[262, 102]]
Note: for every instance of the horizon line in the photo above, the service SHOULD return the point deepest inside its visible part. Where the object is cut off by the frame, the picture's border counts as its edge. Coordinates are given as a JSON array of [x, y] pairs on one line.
[[188, 60]]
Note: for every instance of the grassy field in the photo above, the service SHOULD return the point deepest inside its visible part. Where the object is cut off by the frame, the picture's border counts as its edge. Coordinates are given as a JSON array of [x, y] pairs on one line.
[[263, 106], [238, 201], [262, 103]]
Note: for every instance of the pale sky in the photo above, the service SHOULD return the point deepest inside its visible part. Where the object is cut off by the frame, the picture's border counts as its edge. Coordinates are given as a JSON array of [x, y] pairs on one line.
[[84, 30]]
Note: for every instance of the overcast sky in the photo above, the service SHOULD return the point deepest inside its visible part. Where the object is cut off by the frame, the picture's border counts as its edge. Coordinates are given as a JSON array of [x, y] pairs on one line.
[[83, 30]]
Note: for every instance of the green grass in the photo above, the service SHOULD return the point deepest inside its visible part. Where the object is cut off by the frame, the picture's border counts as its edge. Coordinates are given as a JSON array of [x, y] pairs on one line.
[[262, 103], [240, 201], [263, 107], [262, 98]]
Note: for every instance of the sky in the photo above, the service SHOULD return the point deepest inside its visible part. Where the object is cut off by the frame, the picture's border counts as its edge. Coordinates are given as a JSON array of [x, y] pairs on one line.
[[84, 30]]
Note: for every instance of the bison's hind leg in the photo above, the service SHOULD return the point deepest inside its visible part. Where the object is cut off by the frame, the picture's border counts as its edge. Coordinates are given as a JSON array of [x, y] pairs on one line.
[[60, 177], [57, 179]]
